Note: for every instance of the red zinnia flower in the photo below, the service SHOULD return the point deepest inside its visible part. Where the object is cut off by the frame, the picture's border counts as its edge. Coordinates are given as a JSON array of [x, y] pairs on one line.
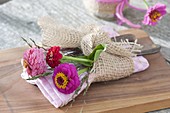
[[53, 56]]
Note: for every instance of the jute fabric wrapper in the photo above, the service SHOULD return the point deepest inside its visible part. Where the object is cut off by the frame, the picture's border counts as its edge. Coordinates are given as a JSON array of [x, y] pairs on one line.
[[114, 63]]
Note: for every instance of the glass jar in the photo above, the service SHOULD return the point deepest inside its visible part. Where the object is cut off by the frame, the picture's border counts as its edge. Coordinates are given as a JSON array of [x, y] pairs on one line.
[[100, 9]]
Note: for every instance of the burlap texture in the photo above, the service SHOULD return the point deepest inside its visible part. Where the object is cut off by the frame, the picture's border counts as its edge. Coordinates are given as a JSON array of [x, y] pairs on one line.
[[57, 34], [114, 63]]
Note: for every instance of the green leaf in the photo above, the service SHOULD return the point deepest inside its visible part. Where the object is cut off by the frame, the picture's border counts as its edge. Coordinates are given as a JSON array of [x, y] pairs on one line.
[[97, 51], [83, 70]]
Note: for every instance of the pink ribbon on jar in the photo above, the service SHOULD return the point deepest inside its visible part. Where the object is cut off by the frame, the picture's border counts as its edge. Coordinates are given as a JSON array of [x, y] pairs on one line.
[[119, 11]]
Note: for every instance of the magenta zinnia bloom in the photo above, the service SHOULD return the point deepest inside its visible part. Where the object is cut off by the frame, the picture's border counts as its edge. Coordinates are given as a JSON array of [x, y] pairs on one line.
[[154, 14], [34, 61], [65, 78]]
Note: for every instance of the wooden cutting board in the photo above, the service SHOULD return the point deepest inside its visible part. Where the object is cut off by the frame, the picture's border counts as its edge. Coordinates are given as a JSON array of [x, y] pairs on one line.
[[145, 91]]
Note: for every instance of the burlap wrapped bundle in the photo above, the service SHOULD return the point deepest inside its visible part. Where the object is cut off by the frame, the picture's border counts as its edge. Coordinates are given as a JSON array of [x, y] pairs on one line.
[[114, 63]]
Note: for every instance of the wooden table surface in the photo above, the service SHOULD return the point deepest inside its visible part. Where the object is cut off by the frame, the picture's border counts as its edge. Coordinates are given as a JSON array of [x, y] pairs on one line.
[[145, 91]]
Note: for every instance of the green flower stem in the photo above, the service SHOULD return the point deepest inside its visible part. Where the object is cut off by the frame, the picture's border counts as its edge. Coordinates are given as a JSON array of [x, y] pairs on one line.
[[83, 70], [76, 59], [38, 76], [146, 3]]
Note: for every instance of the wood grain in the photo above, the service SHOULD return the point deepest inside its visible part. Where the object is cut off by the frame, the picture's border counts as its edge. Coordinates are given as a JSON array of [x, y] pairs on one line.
[[145, 91]]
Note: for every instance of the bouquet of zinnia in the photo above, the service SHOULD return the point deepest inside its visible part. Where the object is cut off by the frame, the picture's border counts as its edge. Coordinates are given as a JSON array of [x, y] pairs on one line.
[[39, 62], [69, 61]]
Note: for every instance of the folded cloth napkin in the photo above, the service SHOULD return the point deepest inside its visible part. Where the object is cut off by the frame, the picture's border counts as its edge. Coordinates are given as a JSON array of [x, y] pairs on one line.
[[58, 99]]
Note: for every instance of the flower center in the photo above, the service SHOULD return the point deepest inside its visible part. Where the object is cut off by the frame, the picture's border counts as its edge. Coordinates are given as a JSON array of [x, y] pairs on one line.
[[154, 15], [61, 80], [25, 64]]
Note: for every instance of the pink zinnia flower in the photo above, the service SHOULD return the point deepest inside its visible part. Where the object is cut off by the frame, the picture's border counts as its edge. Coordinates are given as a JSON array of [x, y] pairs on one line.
[[65, 78], [34, 61], [154, 14]]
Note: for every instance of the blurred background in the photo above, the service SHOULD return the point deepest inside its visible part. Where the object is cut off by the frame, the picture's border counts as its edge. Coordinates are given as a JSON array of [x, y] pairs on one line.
[[19, 18], [3, 1]]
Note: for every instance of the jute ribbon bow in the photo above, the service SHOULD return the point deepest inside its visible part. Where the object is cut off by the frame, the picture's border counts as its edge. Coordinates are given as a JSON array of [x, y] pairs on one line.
[[114, 63]]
